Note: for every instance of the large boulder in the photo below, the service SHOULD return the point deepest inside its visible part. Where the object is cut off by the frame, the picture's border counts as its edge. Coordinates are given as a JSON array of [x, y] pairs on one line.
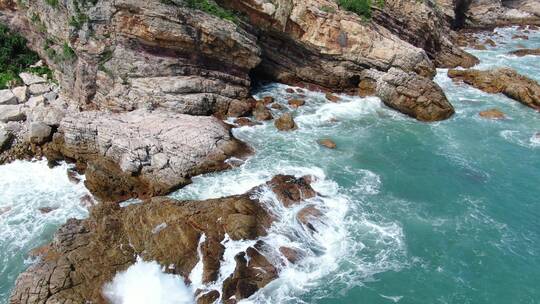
[[144, 153], [503, 80], [418, 97], [86, 254]]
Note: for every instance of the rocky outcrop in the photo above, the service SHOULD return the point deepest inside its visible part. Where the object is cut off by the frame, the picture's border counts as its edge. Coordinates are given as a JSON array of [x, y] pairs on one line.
[[126, 55], [86, 254], [417, 97], [526, 52], [143, 153], [505, 81], [423, 24]]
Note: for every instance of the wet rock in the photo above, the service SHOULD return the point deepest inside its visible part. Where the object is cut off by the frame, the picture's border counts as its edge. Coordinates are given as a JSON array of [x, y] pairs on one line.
[[411, 94], [526, 52], [276, 106], [285, 122], [239, 108], [111, 237], [30, 79], [73, 176], [292, 255], [505, 81], [12, 113], [328, 143], [308, 215], [479, 47], [492, 114], [522, 37], [291, 191], [261, 113], [39, 133], [332, 98], [267, 100], [490, 42], [45, 210], [209, 297], [367, 87], [296, 103], [290, 90], [21, 93], [245, 122], [7, 97]]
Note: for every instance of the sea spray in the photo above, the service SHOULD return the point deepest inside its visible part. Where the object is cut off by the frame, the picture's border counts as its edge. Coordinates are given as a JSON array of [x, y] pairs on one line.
[[144, 283]]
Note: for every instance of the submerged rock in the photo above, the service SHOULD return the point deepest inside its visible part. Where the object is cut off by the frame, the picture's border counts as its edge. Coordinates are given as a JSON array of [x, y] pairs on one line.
[[493, 114], [328, 143], [296, 103], [261, 112], [160, 229], [285, 122], [526, 52], [505, 81]]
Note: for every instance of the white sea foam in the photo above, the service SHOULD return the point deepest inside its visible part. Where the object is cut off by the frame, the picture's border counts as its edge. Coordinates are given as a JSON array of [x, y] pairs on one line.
[[145, 282]]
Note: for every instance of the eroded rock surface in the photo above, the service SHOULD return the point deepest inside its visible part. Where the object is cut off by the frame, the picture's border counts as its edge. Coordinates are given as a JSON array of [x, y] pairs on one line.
[[86, 254], [144, 153], [505, 81]]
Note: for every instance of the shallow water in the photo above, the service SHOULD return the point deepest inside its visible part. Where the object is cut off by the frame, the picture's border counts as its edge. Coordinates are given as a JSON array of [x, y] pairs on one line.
[[415, 213]]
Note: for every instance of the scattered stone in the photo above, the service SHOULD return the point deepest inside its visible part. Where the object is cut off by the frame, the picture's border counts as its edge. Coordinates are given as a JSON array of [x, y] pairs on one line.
[[493, 114], [290, 90], [267, 100], [39, 89], [40, 133], [299, 90], [276, 106], [35, 101], [245, 122], [209, 297], [30, 79], [524, 37], [21, 93], [7, 97], [261, 112], [285, 122], [296, 103], [328, 143], [332, 98], [45, 210], [238, 108], [525, 52], [479, 47], [503, 80], [12, 113], [490, 42]]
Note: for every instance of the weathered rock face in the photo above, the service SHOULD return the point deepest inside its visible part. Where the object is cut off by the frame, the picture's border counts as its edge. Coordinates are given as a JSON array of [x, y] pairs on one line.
[[143, 153], [490, 13], [505, 81], [423, 24], [415, 96], [526, 52], [128, 54], [86, 254]]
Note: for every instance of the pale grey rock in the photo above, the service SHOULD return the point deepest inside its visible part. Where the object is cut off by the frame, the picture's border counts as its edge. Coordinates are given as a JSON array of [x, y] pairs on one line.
[[39, 88], [47, 114], [7, 97], [50, 96], [21, 93], [39, 133], [30, 79], [35, 101], [12, 113], [163, 149]]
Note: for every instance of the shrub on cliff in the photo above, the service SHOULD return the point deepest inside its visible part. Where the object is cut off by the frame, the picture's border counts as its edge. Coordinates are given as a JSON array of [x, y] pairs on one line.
[[360, 7], [15, 57]]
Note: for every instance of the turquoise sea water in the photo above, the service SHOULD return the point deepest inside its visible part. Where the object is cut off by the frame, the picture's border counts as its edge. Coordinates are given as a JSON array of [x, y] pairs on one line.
[[414, 212]]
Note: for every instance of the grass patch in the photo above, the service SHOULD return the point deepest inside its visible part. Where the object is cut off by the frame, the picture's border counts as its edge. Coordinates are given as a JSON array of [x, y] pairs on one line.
[[212, 8], [361, 7]]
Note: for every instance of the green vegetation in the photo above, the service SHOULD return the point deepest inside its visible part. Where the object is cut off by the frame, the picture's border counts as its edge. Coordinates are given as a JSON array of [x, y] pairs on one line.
[[360, 7], [209, 7], [16, 57], [53, 3]]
